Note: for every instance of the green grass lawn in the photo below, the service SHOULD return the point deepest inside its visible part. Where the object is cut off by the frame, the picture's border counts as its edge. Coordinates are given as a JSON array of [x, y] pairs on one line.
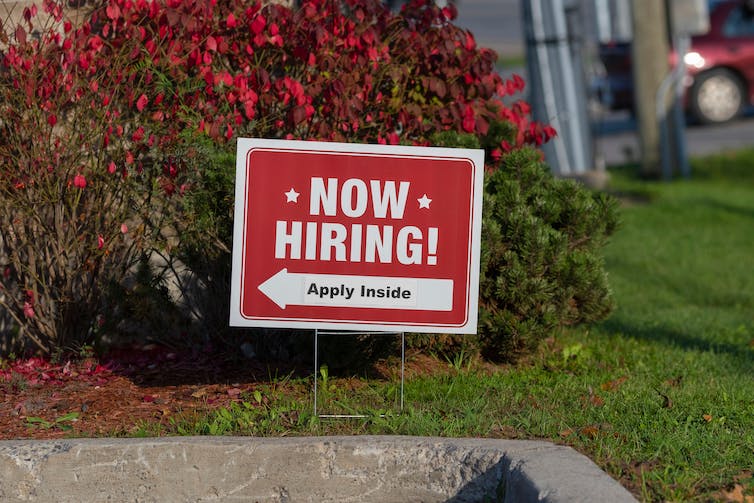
[[661, 395]]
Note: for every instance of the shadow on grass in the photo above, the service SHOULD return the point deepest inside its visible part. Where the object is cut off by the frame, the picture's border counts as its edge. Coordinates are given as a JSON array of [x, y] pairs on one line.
[[731, 166], [726, 207], [742, 355]]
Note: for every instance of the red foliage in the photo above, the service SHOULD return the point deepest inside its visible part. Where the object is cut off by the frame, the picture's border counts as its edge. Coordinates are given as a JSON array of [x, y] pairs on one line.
[[108, 105], [36, 371], [348, 70]]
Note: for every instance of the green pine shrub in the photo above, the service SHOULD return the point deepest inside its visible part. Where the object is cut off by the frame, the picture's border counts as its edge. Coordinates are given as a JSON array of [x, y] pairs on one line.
[[540, 263], [206, 232], [541, 267]]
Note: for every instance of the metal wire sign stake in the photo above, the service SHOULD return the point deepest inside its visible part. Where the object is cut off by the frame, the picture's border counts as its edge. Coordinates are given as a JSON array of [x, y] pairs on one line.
[[317, 333]]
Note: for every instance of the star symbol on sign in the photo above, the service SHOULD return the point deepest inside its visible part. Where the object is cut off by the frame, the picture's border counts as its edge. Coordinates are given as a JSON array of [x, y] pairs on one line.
[[291, 196], [424, 201]]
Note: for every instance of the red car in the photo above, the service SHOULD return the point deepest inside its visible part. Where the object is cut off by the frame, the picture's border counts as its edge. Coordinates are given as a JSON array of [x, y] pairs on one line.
[[720, 64]]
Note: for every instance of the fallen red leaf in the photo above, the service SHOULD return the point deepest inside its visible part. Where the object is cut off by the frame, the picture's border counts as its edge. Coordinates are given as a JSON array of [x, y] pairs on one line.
[[736, 495], [596, 400], [614, 384], [199, 393], [590, 431]]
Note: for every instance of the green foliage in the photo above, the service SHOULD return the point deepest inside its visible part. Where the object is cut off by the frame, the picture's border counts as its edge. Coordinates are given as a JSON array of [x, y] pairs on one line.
[[259, 414], [455, 139], [206, 233], [540, 262], [59, 422], [140, 309], [541, 266]]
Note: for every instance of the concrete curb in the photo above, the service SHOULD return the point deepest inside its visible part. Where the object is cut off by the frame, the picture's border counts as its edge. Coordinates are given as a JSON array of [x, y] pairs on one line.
[[322, 469]]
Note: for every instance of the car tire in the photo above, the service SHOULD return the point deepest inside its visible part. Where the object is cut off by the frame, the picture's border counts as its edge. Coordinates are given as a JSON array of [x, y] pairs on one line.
[[717, 96]]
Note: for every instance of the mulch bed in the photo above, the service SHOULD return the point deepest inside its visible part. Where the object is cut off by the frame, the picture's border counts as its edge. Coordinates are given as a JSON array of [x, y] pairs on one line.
[[118, 395]]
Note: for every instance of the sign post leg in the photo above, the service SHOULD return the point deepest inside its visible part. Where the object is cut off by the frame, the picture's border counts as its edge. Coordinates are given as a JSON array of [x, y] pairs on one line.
[[403, 363], [316, 368]]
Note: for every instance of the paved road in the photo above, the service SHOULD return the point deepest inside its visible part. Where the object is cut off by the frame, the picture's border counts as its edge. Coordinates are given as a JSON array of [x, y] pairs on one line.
[[620, 144], [497, 24]]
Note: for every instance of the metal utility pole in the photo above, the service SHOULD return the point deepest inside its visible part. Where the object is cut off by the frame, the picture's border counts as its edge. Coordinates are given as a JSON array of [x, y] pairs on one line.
[[649, 52], [554, 44]]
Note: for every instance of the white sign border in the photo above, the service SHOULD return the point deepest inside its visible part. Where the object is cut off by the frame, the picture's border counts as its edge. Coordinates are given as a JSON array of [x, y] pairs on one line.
[[245, 145]]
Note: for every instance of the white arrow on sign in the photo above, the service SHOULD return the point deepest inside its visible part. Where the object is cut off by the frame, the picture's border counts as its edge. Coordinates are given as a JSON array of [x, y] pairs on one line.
[[337, 290]]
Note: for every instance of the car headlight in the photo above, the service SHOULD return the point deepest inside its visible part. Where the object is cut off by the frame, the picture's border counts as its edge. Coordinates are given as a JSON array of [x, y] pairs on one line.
[[694, 59]]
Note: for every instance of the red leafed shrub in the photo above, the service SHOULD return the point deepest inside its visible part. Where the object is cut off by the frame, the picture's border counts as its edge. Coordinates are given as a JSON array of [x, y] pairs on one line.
[[347, 70], [108, 122], [83, 181]]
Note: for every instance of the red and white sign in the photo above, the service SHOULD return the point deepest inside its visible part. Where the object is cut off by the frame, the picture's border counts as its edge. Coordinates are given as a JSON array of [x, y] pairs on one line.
[[356, 237]]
